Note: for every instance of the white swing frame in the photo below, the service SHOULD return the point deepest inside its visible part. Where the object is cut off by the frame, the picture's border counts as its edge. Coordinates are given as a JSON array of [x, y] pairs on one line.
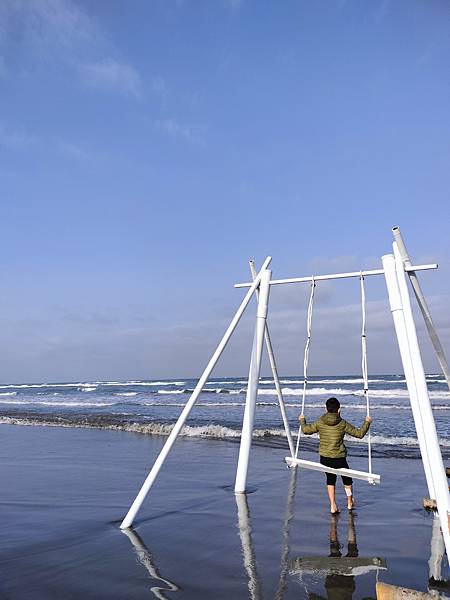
[[395, 268], [294, 461]]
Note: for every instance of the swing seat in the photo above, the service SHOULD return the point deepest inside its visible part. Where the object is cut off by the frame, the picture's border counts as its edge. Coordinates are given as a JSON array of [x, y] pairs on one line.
[[371, 478]]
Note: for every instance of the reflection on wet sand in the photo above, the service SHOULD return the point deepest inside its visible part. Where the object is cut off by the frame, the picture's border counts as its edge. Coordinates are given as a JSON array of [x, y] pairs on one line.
[[336, 585], [289, 515], [146, 560], [437, 578], [437, 552], [248, 553], [340, 571]]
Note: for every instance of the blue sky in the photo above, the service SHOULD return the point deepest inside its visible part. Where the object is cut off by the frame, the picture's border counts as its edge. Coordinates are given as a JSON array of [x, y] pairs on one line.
[[149, 149]]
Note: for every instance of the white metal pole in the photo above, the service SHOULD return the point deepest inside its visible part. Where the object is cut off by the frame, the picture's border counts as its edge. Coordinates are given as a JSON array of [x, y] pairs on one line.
[[276, 379], [252, 385], [337, 276], [245, 533], [422, 305], [418, 382], [396, 305], [426, 411], [130, 516]]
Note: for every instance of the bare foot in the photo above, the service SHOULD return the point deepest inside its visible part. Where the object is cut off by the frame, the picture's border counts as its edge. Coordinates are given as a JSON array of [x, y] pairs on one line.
[[335, 510], [350, 504]]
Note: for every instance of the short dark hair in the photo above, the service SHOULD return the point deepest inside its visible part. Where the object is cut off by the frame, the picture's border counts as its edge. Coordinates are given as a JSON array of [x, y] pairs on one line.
[[333, 405]]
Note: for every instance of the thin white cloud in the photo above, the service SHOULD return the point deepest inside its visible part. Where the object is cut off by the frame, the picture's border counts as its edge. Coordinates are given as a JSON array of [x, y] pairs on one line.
[[59, 30], [74, 151], [3, 69], [159, 86], [23, 140], [47, 26], [382, 11], [234, 4], [16, 139], [112, 75], [174, 129]]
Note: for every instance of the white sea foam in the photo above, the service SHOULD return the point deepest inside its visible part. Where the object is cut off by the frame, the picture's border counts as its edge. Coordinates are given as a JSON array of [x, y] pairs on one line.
[[45, 385], [266, 381], [8, 393], [311, 392], [402, 393], [202, 431], [394, 393], [317, 391], [55, 403], [376, 407], [88, 384], [225, 405], [83, 404], [358, 381], [140, 383], [236, 382], [204, 404], [391, 441], [87, 389], [15, 402], [126, 394], [167, 382]]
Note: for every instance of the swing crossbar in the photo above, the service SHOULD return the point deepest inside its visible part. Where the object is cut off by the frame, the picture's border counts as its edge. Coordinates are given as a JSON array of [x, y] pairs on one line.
[[408, 269], [372, 478]]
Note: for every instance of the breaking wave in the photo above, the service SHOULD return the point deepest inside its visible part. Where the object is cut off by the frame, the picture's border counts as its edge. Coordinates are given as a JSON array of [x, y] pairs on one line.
[[60, 403], [201, 431]]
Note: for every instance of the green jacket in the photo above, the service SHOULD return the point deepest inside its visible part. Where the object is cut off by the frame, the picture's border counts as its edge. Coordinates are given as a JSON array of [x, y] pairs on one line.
[[331, 429]]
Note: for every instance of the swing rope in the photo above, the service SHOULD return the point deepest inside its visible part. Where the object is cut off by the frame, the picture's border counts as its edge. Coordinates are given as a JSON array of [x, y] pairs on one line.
[[364, 364], [306, 355]]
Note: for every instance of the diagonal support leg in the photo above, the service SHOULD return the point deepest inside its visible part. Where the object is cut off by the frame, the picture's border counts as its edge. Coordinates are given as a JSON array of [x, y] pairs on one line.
[[130, 516]]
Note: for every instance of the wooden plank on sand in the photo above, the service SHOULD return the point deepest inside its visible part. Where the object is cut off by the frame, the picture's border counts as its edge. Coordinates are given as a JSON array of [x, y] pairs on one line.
[[394, 592], [429, 504]]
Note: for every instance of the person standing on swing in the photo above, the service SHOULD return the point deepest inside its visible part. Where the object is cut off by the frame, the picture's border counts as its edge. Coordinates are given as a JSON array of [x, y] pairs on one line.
[[333, 453]]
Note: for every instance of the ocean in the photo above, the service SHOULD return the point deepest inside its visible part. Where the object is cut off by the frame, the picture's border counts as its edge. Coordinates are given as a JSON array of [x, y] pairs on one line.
[[151, 407]]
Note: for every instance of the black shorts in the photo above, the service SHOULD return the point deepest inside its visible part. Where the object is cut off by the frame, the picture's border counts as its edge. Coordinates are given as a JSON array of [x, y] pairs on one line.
[[335, 463]]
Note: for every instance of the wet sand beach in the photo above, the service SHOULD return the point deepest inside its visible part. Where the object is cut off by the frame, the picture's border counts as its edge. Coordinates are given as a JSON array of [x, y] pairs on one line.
[[65, 491]]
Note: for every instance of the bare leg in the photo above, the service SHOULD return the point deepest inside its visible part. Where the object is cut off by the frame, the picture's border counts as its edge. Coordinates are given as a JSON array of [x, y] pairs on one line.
[[349, 494], [331, 489]]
